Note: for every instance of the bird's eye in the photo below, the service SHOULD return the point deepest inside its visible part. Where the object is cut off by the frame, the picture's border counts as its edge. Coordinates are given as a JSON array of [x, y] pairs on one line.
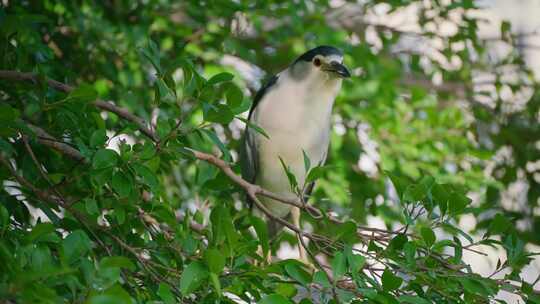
[[317, 62]]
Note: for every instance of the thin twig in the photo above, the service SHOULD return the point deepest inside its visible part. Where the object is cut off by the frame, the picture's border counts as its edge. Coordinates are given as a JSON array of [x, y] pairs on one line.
[[41, 194], [48, 140]]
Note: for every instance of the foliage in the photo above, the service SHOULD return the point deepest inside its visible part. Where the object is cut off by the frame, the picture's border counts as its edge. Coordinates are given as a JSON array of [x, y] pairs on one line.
[[100, 206]]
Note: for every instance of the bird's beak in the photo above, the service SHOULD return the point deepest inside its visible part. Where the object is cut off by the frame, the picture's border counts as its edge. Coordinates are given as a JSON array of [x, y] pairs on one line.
[[338, 69]]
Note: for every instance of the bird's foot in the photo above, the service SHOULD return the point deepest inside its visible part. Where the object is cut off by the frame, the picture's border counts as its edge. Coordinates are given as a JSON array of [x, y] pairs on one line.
[[310, 266], [266, 258]]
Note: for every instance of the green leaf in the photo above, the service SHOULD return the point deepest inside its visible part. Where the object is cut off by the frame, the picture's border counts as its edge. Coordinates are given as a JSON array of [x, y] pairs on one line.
[[164, 92], [31, 109], [441, 196], [441, 244], [414, 193], [253, 126], [474, 286], [218, 113], [356, 262], [39, 230], [412, 300], [458, 250], [307, 161], [234, 96], [7, 113], [427, 182], [215, 260], [192, 277], [428, 236], [262, 233], [410, 252], [165, 293], [76, 245], [290, 176], [4, 218], [221, 77], [163, 127], [41, 260], [6, 147], [151, 52], [458, 202], [320, 278], [399, 183], [535, 299], [122, 183], [274, 299], [98, 138], [315, 173], [499, 224], [147, 151], [190, 244], [104, 158], [215, 139], [148, 177], [397, 243], [287, 290], [339, 266], [209, 95], [120, 214], [214, 279], [454, 230], [346, 232], [83, 93], [390, 281], [297, 273], [117, 261], [115, 295], [243, 107], [222, 226]]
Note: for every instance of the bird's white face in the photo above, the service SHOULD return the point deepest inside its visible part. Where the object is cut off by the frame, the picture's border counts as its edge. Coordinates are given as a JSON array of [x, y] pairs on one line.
[[332, 65], [321, 70]]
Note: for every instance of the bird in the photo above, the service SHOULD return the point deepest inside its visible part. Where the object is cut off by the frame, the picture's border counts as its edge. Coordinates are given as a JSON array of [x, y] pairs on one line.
[[294, 110]]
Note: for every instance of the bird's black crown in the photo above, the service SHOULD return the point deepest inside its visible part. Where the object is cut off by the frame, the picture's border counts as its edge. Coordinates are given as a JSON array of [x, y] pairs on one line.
[[323, 50]]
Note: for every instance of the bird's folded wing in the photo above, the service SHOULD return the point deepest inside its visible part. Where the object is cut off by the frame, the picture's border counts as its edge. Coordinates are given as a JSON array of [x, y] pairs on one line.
[[249, 156]]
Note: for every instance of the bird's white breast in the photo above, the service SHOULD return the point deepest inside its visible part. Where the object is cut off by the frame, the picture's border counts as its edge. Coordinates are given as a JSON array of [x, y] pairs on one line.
[[296, 117]]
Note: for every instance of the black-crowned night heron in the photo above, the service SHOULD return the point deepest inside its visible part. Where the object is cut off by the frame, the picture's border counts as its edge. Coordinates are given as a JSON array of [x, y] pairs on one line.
[[294, 109]]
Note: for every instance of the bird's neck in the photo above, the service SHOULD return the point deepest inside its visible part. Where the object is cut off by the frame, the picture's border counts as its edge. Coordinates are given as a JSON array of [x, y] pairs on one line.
[[321, 93], [298, 104]]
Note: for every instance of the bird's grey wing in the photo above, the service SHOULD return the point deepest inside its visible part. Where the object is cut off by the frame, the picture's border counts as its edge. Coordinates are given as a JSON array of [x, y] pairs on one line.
[[249, 153], [249, 157]]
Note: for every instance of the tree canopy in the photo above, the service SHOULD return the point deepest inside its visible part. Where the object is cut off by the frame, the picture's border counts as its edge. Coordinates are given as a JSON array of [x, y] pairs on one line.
[[121, 122]]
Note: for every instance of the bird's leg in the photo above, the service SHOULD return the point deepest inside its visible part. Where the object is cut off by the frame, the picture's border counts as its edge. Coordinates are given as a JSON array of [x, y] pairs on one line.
[[295, 214], [267, 257]]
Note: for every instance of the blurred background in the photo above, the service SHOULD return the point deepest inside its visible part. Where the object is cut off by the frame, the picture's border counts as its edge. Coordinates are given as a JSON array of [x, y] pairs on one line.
[[520, 14], [518, 193]]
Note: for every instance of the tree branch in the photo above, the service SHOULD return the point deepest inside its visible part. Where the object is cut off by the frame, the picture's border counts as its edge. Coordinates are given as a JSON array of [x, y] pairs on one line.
[[43, 195], [103, 105], [48, 140], [125, 114], [252, 188]]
